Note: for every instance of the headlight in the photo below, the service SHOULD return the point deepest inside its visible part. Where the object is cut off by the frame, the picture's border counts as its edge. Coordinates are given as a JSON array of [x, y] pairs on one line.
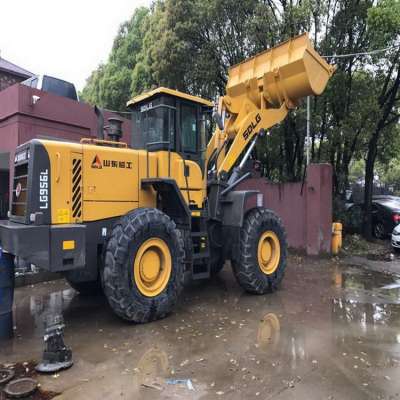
[[21, 156]]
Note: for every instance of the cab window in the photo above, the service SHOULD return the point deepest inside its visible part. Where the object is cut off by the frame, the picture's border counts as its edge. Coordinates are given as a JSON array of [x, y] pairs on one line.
[[153, 127], [189, 128], [159, 126]]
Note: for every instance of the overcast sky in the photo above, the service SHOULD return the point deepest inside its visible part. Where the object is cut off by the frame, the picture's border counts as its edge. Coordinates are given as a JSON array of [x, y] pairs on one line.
[[63, 38]]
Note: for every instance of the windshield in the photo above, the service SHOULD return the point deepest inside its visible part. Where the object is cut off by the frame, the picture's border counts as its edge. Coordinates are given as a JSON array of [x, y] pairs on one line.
[[153, 127]]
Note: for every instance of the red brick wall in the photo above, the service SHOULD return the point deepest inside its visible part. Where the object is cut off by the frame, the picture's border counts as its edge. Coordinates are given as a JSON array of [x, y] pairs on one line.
[[52, 116], [305, 209]]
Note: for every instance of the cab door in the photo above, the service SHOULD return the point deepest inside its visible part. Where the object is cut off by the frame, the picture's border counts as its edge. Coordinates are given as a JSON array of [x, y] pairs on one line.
[[191, 152]]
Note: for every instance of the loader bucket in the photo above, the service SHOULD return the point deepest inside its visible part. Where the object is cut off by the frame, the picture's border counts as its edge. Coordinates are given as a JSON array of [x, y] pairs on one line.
[[286, 73]]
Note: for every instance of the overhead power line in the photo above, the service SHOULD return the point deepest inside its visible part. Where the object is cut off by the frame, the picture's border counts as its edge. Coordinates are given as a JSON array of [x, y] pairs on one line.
[[366, 53]]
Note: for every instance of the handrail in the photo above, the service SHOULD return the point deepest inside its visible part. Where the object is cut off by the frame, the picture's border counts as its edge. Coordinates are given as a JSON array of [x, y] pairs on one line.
[[100, 142]]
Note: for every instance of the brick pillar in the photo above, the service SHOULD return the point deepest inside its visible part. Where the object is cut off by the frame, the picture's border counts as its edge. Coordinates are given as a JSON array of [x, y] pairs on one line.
[[319, 209]]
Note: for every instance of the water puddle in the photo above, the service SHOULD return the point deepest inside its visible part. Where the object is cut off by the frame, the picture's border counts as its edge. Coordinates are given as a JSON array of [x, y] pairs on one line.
[[31, 311], [367, 286], [327, 324], [366, 305]]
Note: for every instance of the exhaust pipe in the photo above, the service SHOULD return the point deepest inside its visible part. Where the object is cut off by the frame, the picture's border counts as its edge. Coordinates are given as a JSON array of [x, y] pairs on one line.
[[100, 122], [115, 128]]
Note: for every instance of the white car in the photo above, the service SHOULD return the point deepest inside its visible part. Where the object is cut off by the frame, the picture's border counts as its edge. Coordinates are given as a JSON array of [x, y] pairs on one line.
[[396, 237]]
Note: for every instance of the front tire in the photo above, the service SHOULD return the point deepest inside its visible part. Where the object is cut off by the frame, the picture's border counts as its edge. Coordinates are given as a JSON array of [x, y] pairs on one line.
[[144, 265], [263, 250]]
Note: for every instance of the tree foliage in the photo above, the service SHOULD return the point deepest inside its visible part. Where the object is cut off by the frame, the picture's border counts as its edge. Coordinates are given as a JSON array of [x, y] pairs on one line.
[[110, 85]]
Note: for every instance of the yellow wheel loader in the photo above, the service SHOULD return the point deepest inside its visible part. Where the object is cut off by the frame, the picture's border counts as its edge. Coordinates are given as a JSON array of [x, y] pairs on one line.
[[140, 220]]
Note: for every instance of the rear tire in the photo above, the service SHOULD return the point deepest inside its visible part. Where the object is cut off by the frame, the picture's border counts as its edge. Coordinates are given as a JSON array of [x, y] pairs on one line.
[[263, 250], [144, 265]]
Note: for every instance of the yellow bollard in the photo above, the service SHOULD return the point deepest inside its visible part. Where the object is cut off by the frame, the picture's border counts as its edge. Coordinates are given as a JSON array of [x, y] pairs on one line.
[[336, 237]]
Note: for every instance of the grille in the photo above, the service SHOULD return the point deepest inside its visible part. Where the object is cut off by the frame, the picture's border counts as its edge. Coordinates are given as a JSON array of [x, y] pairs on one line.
[[76, 188], [20, 190]]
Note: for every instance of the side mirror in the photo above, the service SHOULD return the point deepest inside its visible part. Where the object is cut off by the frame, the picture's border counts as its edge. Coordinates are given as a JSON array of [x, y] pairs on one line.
[[218, 120]]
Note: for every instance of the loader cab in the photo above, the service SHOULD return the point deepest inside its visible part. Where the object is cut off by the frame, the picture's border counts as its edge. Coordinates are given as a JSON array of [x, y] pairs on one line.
[[169, 120]]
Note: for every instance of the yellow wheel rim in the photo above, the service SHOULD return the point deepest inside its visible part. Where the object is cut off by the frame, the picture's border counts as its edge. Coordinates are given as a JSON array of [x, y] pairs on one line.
[[152, 267], [268, 252]]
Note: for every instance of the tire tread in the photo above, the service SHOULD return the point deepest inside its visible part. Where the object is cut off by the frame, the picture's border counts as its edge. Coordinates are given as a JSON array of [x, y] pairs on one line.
[[246, 269], [130, 229]]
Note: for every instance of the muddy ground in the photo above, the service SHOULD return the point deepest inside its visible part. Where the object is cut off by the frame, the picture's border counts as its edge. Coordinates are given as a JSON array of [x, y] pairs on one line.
[[331, 332]]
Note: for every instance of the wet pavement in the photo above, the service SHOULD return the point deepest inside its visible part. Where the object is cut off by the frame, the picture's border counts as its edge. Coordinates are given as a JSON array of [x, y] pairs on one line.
[[331, 332]]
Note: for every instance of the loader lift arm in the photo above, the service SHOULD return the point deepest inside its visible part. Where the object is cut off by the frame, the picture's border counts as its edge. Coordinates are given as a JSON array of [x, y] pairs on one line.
[[259, 94]]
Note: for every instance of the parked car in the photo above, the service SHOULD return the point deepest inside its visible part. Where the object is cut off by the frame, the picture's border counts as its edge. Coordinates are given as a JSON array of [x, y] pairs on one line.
[[396, 238], [385, 216], [53, 85]]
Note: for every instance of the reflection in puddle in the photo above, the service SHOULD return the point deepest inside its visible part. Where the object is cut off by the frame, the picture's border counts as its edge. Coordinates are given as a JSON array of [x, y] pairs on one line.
[[269, 331], [395, 285], [367, 286], [153, 362], [152, 367], [40, 307], [364, 313], [367, 301], [281, 341]]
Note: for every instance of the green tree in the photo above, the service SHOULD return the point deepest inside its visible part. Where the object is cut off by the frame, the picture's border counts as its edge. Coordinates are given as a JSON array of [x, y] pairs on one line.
[[110, 85], [384, 25]]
